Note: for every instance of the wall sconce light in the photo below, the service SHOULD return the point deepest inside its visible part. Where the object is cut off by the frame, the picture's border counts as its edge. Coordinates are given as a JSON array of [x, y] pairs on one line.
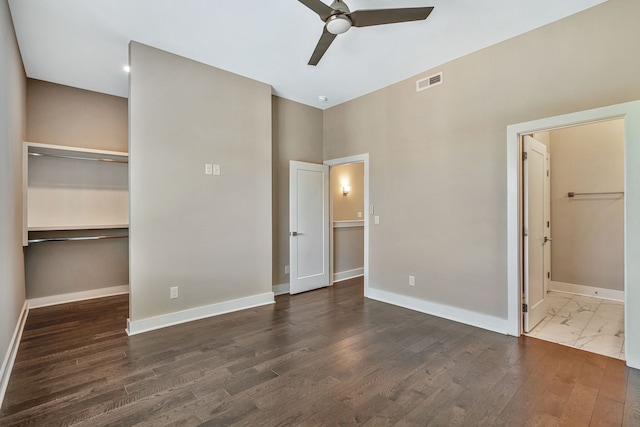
[[346, 189]]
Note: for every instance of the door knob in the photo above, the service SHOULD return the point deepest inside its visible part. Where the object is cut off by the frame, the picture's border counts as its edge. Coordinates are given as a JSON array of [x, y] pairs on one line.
[[547, 239], [293, 233]]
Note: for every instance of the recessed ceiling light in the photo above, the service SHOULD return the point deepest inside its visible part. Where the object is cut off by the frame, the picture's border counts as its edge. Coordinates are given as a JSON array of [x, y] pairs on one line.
[[126, 68], [322, 98]]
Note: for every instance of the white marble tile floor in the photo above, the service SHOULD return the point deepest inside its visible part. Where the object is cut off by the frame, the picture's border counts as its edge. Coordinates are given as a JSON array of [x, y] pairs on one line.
[[588, 323]]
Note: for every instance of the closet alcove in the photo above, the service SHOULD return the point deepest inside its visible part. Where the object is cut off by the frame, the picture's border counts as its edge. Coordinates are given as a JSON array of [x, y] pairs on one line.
[[76, 213]]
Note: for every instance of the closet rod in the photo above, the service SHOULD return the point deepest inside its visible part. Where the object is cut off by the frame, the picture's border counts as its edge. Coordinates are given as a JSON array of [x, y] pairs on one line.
[[66, 239], [572, 194], [60, 156]]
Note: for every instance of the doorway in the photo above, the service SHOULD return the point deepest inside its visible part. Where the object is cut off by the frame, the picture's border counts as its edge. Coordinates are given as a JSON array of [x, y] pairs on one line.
[[630, 112], [347, 225], [341, 217], [573, 283]]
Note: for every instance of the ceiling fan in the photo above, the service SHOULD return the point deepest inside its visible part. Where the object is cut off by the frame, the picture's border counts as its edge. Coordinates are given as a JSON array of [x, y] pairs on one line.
[[338, 19]]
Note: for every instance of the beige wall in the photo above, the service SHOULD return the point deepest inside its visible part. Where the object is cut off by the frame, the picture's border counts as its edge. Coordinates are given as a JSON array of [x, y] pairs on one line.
[[297, 135], [63, 115], [438, 171], [12, 125], [588, 231], [209, 235], [346, 207], [348, 249]]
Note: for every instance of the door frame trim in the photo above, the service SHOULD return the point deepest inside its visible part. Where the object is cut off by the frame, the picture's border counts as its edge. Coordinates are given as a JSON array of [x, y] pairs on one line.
[[358, 158], [630, 111]]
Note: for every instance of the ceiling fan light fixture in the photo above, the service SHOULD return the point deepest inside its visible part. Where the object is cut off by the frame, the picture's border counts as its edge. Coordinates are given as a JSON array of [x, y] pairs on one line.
[[338, 24]]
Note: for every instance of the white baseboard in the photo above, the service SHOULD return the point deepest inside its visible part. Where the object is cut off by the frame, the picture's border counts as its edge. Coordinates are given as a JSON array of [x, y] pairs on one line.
[[281, 289], [349, 274], [77, 296], [12, 351], [178, 317], [587, 290], [456, 314]]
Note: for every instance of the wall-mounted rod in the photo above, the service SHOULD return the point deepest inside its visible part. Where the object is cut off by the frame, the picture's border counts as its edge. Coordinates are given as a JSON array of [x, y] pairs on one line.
[[572, 194], [60, 156], [67, 239]]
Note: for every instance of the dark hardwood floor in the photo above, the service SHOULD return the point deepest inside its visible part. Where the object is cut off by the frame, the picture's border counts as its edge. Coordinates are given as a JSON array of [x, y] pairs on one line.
[[328, 357]]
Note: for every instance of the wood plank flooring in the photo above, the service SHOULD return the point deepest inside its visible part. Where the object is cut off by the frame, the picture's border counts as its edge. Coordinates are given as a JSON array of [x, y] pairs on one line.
[[327, 357]]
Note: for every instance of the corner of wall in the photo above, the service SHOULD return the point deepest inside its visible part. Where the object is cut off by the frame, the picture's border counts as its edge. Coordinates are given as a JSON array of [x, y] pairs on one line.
[[12, 352], [211, 233], [13, 309]]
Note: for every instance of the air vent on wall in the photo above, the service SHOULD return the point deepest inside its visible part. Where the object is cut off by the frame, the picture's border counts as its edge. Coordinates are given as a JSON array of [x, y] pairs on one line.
[[428, 82]]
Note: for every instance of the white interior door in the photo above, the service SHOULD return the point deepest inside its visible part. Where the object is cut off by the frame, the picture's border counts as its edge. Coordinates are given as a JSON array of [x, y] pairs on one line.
[[536, 231], [308, 226]]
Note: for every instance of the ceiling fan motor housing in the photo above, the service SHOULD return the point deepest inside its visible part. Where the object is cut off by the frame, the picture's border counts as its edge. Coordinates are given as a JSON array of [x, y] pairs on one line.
[[341, 6], [338, 24]]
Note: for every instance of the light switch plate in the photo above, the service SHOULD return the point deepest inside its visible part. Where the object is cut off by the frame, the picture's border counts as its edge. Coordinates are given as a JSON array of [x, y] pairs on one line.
[[216, 169], [208, 168], [376, 219]]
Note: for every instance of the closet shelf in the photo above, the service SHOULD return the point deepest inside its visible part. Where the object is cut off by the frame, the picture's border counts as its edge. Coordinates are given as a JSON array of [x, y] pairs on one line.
[[78, 227], [76, 153], [73, 191], [75, 239], [95, 159]]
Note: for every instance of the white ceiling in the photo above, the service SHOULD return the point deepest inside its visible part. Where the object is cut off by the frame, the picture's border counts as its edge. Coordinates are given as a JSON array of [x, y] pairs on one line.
[[83, 43]]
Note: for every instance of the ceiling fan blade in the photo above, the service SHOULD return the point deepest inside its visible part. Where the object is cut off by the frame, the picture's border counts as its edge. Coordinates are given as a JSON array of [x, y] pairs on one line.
[[318, 7], [323, 44], [368, 17]]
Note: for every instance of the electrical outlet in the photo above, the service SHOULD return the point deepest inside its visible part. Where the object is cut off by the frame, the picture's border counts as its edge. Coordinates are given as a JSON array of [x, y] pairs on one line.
[[173, 292], [412, 280], [286, 269], [216, 169], [376, 219], [359, 214], [208, 168]]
